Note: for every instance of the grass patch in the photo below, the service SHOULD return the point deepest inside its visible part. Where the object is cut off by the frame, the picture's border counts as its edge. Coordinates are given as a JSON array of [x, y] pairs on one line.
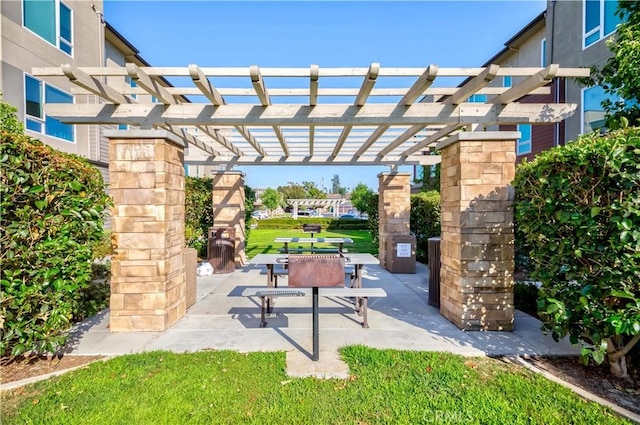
[[261, 241], [386, 386]]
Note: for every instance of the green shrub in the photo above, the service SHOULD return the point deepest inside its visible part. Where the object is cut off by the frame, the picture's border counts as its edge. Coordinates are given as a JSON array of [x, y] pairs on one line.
[[374, 219], [577, 210], [198, 198], [425, 221], [8, 120], [52, 210]]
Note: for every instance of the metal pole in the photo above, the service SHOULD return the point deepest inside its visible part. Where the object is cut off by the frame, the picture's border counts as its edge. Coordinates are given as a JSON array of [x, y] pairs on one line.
[[316, 325]]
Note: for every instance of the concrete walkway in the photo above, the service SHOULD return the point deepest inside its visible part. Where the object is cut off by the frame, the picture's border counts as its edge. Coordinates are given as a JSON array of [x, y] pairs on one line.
[[224, 319]]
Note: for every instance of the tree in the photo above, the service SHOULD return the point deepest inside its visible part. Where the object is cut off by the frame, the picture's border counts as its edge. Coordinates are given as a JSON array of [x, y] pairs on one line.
[[620, 76], [313, 191], [360, 197], [271, 198], [335, 184], [292, 191]]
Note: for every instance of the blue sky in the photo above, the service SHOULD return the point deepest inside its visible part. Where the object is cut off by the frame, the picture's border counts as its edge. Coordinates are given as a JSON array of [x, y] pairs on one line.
[[330, 34]]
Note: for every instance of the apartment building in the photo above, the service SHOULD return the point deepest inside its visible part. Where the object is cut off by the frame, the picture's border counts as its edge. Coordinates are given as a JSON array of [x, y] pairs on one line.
[[48, 33]]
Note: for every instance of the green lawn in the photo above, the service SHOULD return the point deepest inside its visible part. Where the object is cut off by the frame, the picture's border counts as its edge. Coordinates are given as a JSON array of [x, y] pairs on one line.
[[223, 387], [261, 241]]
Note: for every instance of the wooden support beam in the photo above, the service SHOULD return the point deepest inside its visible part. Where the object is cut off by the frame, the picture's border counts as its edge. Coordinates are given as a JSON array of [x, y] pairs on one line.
[[204, 85], [93, 85], [542, 78], [431, 139], [319, 160], [377, 133], [244, 132], [401, 139], [313, 85], [367, 84], [312, 132], [418, 88], [361, 99], [320, 115], [153, 87], [223, 141], [263, 95], [473, 85], [191, 139]]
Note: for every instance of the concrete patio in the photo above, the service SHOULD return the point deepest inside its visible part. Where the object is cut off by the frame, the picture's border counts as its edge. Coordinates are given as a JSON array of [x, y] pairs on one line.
[[224, 319]]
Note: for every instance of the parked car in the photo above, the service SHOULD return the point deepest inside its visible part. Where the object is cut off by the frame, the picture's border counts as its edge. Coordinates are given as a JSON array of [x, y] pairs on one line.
[[259, 215], [348, 216]]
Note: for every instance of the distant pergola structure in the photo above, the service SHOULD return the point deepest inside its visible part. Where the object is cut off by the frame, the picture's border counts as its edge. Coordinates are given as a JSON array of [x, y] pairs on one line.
[[338, 116], [315, 203]]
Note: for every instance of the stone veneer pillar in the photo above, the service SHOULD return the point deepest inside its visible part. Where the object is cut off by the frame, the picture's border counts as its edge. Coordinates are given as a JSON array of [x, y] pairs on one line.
[[394, 208], [228, 207], [146, 169], [476, 276]]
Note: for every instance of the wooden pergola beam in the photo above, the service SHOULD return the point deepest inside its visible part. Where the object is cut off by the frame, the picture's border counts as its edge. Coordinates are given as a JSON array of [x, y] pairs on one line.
[[302, 115], [418, 88], [541, 78], [93, 85], [318, 160], [204, 85], [215, 135], [361, 99], [431, 139], [261, 91], [474, 85], [401, 139], [249, 137], [151, 86]]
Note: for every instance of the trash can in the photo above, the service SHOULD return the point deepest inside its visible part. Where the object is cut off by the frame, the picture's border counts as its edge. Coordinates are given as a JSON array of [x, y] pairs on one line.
[[401, 254], [221, 250], [433, 253]]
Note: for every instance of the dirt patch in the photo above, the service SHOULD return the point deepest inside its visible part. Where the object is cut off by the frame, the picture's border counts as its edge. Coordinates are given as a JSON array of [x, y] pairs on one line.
[[596, 379], [22, 368]]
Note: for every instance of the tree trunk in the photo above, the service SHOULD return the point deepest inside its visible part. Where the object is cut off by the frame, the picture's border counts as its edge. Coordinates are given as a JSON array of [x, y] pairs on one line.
[[617, 365]]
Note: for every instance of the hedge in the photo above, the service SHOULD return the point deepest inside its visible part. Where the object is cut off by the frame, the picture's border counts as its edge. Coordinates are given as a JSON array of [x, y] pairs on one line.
[[52, 209], [425, 221], [326, 223], [577, 211]]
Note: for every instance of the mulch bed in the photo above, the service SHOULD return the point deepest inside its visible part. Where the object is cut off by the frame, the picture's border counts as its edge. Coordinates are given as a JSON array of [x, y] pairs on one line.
[[22, 368]]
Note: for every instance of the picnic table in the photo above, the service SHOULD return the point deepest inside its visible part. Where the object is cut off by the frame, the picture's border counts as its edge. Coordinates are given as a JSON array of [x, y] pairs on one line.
[[311, 241]]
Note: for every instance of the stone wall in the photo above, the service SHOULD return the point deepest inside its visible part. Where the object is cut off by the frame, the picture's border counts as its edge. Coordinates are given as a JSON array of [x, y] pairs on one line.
[[394, 209], [228, 208], [477, 230], [147, 268]]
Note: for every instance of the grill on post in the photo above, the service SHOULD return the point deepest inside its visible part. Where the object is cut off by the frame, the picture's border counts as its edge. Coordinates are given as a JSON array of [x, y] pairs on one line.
[[313, 271]]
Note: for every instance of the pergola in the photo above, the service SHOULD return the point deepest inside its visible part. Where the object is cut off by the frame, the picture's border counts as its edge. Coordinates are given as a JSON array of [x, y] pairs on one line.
[[315, 203], [314, 116]]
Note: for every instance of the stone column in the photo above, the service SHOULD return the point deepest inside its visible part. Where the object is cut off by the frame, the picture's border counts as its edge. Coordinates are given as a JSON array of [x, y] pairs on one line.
[[476, 275], [394, 209], [146, 169], [228, 207]]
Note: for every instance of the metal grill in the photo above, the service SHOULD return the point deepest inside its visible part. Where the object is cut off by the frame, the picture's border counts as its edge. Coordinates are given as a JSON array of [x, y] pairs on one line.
[[315, 270]]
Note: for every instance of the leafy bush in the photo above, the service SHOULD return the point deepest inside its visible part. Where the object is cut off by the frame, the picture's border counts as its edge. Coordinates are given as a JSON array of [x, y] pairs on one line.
[[577, 210], [8, 121], [425, 221], [198, 193], [374, 218], [53, 207]]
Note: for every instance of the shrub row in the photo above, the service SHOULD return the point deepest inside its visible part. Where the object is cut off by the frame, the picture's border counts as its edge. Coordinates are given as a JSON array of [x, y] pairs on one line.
[[327, 223], [53, 207], [425, 221]]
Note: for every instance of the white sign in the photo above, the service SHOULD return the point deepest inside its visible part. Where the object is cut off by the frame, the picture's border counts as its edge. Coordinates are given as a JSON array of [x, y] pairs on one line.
[[404, 250]]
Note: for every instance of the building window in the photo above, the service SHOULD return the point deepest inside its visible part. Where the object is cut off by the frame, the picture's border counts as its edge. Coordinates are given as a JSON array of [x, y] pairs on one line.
[[478, 98], [131, 84], [599, 20], [523, 145], [506, 81], [52, 20], [123, 127], [543, 52], [592, 110], [37, 93]]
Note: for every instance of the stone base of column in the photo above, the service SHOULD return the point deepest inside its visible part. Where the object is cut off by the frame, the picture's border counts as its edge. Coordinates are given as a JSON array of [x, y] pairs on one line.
[[476, 275], [394, 209], [228, 208], [147, 268]]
